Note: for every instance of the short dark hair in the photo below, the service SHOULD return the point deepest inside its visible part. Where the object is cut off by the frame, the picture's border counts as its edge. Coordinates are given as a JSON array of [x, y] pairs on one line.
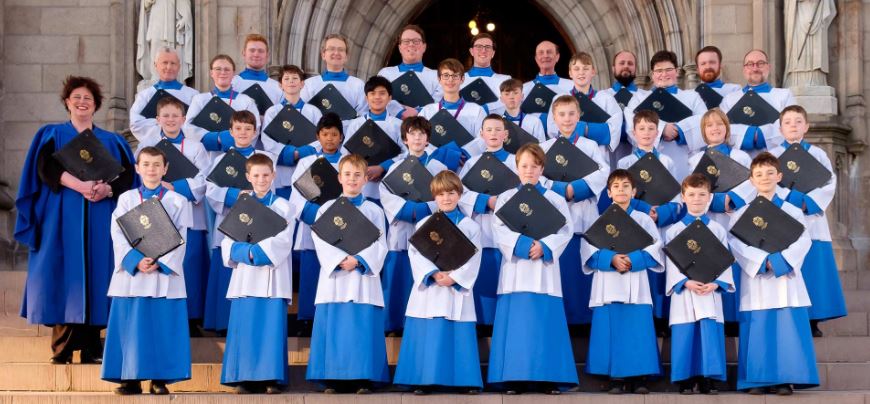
[[166, 101], [482, 35], [330, 120], [709, 48], [645, 115], [696, 180], [510, 85], [663, 56], [378, 81], [494, 117], [244, 116], [411, 27], [794, 108], [293, 69], [73, 82], [451, 64], [151, 151], [415, 122], [764, 159], [621, 174], [259, 159], [222, 57]]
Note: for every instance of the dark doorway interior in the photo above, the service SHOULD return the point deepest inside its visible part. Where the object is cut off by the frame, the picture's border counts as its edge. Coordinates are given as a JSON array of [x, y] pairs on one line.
[[519, 27]]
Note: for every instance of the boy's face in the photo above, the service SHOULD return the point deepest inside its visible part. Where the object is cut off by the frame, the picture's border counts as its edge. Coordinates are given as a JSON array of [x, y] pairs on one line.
[[222, 73], [243, 133], [378, 99], [450, 80], [493, 133], [566, 116], [764, 178], [170, 118], [256, 54], [291, 83], [581, 74], [645, 133], [664, 74], [697, 200], [416, 140], [261, 177], [621, 191], [151, 168], [714, 131], [793, 126], [352, 179], [447, 200], [334, 54], [330, 139], [512, 98], [529, 170]]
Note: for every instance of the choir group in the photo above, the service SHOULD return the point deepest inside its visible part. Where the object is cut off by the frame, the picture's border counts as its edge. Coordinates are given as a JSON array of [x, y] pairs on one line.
[[441, 205]]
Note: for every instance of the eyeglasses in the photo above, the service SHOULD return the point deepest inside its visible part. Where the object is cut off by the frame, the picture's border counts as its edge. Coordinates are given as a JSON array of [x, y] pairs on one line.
[[84, 98], [483, 47], [759, 64], [665, 71], [222, 69], [335, 49], [415, 41], [448, 77]]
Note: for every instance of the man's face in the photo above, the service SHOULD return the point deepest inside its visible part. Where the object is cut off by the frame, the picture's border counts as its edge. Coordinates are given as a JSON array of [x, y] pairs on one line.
[[482, 52], [709, 67], [756, 69], [624, 65], [256, 54], [546, 56], [167, 66], [411, 46]]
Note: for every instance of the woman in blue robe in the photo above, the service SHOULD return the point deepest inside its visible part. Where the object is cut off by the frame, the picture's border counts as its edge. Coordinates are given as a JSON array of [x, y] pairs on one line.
[[65, 223]]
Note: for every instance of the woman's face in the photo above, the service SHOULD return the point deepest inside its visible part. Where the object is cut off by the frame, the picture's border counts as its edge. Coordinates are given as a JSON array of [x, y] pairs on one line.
[[80, 103]]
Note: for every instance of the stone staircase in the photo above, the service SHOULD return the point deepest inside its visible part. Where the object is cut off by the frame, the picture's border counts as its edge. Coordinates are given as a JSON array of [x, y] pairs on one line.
[[843, 357]]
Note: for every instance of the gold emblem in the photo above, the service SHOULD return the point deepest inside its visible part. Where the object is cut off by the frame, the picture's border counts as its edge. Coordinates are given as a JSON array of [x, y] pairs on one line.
[[288, 126], [317, 180], [561, 160], [214, 117], [611, 230], [475, 95], [747, 110], [644, 175], [525, 209], [540, 101], [712, 170], [408, 178], [145, 222], [486, 175], [759, 222], [326, 104], [339, 222], [792, 166], [231, 171], [246, 219], [693, 246], [658, 106], [436, 238], [439, 129], [368, 141], [405, 90], [86, 156]]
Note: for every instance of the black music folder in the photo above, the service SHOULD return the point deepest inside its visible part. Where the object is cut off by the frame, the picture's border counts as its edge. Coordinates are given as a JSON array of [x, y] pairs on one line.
[[86, 158], [230, 171], [410, 180], [249, 221], [801, 171], [590, 111], [149, 229], [291, 127], [260, 98], [319, 183], [709, 95], [179, 166], [446, 129], [655, 185], [345, 227], [669, 108], [215, 116], [531, 214], [490, 176], [478, 92], [538, 99], [371, 142], [517, 137], [409, 90], [723, 172], [766, 226], [698, 253], [623, 96], [443, 243], [566, 162], [615, 230], [751, 109], [150, 110], [329, 99]]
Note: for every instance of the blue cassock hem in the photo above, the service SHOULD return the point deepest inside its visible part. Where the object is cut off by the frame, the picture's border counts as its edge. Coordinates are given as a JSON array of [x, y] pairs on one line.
[[623, 341], [823, 282], [776, 347], [347, 343], [256, 347], [439, 352], [698, 349]]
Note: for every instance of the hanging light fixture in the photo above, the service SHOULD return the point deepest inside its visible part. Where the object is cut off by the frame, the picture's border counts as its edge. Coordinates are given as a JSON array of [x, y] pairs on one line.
[[472, 24], [490, 27]]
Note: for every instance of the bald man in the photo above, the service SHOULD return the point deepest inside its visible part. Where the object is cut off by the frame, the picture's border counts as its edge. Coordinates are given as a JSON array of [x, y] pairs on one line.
[[546, 57], [167, 65]]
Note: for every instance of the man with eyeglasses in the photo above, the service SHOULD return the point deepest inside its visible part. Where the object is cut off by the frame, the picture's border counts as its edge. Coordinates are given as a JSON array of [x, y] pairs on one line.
[[623, 89], [167, 65], [756, 139], [546, 57], [256, 56], [333, 51], [412, 46], [482, 51], [712, 89]]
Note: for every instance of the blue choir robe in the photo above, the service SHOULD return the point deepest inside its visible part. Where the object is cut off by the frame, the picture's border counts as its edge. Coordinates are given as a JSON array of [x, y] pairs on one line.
[[492, 80], [756, 139], [286, 160], [139, 125], [392, 127], [428, 77], [697, 322], [217, 142], [350, 87], [147, 335], [270, 86], [67, 236], [606, 134]]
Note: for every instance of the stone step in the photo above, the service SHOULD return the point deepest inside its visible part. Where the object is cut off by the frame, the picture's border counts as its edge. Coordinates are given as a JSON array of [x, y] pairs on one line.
[[853, 325], [206, 378], [857, 300], [210, 350]]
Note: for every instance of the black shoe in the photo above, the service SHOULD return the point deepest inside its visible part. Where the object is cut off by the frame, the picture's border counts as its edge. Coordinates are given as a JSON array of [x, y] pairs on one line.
[[128, 388], [784, 390], [60, 360], [553, 392], [708, 386], [274, 389], [641, 389], [756, 391], [420, 392], [616, 387], [329, 390], [91, 359], [814, 327], [158, 388], [732, 329], [511, 392], [473, 392], [243, 388], [687, 388], [364, 390]]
